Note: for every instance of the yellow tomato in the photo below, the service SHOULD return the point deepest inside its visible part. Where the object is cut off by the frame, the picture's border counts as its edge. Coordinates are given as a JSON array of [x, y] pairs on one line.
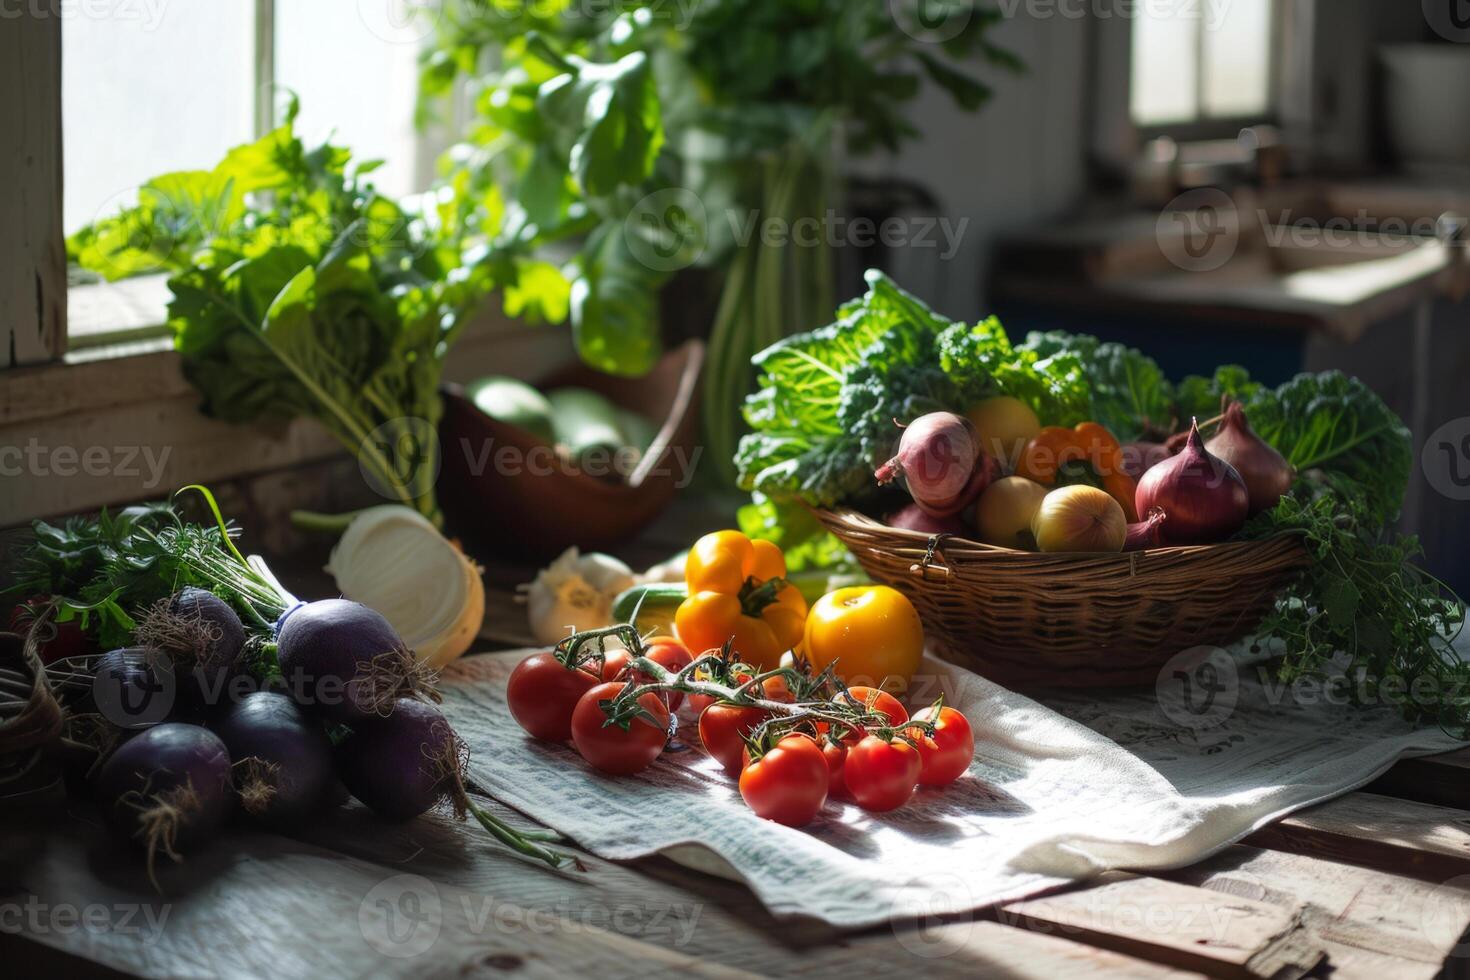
[[1004, 425], [871, 632]]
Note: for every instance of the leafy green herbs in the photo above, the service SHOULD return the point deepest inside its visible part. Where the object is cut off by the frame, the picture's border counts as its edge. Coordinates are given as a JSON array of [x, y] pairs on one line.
[[106, 570], [1335, 423], [1129, 394], [299, 290], [1363, 606], [642, 133]]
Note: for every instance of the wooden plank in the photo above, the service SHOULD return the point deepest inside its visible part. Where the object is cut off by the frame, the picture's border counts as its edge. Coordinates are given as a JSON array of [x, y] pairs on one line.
[[256, 905], [1431, 843], [1177, 925], [32, 245], [1370, 923], [1443, 780]]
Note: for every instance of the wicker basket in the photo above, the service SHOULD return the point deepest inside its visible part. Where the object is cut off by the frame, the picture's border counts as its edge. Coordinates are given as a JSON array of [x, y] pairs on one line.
[[1031, 620]]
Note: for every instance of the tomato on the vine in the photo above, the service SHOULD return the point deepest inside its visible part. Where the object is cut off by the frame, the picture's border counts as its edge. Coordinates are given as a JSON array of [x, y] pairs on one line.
[[612, 748], [835, 754], [788, 784], [880, 701], [880, 774], [722, 730], [542, 692], [665, 651], [945, 755]]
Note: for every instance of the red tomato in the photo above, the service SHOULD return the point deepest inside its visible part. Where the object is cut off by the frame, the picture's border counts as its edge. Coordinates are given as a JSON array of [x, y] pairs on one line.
[[542, 693], [722, 729], [945, 755], [881, 775], [881, 701], [665, 651], [672, 656], [614, 662], [611, 748], [788, 784], [836, 755]]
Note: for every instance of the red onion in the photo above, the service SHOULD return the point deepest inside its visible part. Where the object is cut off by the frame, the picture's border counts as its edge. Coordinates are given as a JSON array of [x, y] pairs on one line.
[[1140, 457], [1266, 472], [1148, 533], [941, 463], [915, 518], [1203, 496]]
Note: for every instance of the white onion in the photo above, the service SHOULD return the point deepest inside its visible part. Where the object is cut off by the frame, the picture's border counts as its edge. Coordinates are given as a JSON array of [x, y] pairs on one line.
[[393, 560]]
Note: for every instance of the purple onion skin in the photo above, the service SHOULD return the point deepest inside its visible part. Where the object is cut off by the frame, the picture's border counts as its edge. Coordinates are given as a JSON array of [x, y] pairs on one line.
[[937, 457], [271, 727], [1203, 497], [1267, 474], [389, 763], [323, 646], [148, 768], [915, 518]]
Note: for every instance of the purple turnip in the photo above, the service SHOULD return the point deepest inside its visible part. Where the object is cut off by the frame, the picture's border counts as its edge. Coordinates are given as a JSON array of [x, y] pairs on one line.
[[202, 636], [167, 789], [133, 688], [403, 763], [282, 759], [915, 518], [342, 661]]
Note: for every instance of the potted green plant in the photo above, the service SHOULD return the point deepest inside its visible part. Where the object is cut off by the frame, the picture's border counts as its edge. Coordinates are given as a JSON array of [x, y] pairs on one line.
[[617, 145]]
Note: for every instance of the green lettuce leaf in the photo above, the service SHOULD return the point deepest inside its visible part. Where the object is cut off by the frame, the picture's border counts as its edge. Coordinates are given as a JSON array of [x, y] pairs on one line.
[[1130, 395]]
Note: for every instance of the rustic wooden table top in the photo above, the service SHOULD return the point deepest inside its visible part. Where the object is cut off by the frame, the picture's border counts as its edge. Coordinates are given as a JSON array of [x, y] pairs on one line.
[[1374, 884]]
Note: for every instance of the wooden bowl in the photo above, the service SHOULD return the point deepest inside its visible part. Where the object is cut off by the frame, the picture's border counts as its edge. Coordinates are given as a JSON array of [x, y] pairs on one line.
[[504, 489]]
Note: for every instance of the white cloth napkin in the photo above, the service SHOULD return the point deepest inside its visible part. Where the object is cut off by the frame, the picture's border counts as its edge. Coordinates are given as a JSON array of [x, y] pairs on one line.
[[1062, 788]]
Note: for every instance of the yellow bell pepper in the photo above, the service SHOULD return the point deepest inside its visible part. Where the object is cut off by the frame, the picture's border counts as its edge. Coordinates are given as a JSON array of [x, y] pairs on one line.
[[738, 591]]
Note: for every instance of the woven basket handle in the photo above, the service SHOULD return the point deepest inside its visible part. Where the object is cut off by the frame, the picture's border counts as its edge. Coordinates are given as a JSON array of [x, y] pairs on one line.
[[927, 568]]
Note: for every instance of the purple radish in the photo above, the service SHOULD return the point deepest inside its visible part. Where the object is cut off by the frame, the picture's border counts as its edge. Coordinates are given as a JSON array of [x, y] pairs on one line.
[[282, 759], [404, 763], [343, 661], [203, 636], [166, 789]]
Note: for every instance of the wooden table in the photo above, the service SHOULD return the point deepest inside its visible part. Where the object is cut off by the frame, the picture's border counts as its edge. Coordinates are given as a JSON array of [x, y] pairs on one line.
[[1375, 884]]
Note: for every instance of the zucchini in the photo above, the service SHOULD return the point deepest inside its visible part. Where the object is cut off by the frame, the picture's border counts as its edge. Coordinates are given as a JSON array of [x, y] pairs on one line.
[[514, 403], [659, 603], [587, 425]]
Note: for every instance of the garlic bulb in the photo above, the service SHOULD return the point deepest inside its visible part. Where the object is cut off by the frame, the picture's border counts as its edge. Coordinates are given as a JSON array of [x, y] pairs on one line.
[[574, 592], [392, 559]]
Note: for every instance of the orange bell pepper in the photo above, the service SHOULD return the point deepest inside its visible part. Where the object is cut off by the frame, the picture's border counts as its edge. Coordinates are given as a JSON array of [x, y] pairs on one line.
[[738, 591], [1053, 455]]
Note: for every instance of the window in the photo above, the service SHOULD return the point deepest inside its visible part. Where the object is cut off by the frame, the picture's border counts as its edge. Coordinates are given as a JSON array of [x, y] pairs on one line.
[[148, 95], [1195, 62]]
